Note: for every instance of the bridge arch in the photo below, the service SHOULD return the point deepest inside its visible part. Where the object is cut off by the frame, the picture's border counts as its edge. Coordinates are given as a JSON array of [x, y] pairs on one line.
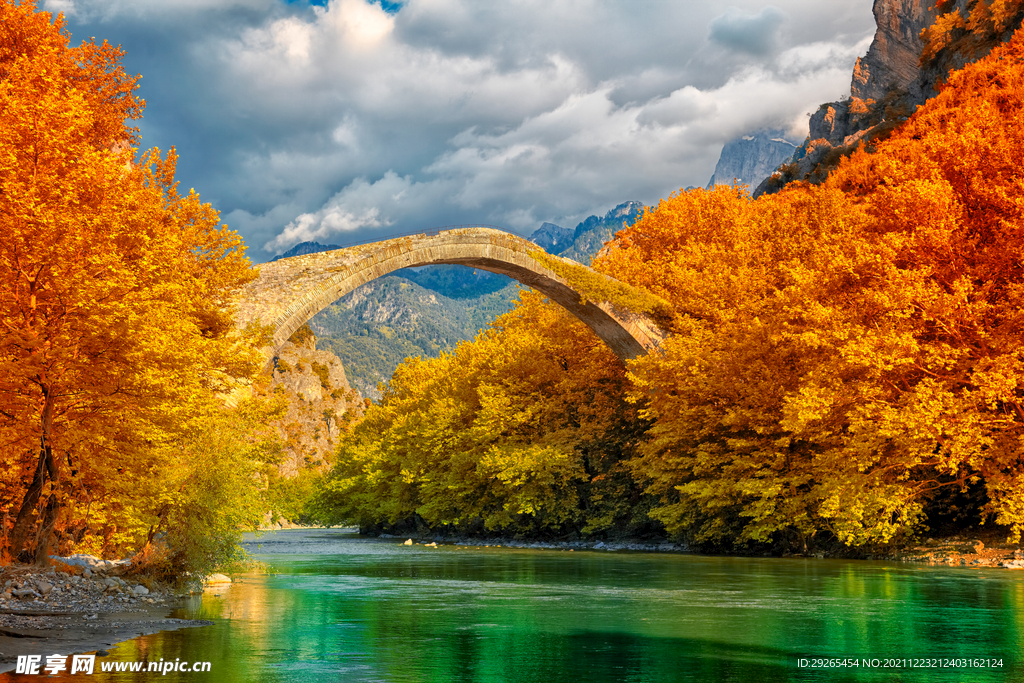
[[288, 292]]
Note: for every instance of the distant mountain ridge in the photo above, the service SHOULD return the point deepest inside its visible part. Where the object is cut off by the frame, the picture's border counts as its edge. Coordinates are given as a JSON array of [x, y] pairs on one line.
[[591, 234], [375, 327], [303, 248], [553, 238]]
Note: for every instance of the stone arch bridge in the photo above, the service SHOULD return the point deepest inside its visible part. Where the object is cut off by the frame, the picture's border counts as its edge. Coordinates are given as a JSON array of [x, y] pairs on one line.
[[290, 291]]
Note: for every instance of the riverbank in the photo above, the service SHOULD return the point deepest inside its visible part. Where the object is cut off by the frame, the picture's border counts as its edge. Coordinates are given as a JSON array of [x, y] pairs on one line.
[[628, 544], [979, 549], [971, 550], [67, 609]]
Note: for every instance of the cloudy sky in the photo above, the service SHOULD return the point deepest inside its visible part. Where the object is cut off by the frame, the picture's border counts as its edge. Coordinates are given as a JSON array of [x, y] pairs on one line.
[[340, 120]]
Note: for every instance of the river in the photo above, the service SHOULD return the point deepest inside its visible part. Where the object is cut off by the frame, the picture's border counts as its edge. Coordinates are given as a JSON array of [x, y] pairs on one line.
[[337, 607]]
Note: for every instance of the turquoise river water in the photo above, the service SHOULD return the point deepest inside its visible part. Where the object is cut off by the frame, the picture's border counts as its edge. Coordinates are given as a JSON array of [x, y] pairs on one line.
[[337, 607]]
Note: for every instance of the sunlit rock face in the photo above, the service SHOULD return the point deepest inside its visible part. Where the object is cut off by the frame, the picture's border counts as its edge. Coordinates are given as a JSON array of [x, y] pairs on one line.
[[318, 403], [888, 84], [893, 60]]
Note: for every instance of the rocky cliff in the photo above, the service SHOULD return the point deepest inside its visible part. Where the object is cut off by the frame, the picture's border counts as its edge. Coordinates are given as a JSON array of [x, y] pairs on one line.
[[892, 62], [751, 158], [916, 44], [318, 403]]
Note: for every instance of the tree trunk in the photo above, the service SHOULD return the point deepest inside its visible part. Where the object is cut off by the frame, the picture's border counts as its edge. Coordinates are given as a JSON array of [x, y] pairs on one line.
[[49, 512], [26, 514], [46, 469], [42, 556]]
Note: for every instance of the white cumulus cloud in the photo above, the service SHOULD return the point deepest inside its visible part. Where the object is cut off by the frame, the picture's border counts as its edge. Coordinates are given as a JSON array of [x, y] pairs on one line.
[[344, 119]]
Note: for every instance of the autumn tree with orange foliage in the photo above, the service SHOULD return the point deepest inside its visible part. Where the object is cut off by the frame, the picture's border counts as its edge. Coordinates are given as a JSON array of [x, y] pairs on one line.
[[968, 32], [116, 315], [948, 193], [845, 354]]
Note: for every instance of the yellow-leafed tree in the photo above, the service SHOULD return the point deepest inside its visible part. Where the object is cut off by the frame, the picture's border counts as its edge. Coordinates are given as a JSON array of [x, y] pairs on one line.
[[116, 319], [521, 430]]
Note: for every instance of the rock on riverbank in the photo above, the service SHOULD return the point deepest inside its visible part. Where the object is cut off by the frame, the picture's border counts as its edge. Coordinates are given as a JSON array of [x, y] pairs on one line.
[[74, 588], [988, 551]]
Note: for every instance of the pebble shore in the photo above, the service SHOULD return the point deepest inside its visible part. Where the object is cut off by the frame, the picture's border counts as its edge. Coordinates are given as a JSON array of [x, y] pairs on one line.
[[963, 553], [79, 605]]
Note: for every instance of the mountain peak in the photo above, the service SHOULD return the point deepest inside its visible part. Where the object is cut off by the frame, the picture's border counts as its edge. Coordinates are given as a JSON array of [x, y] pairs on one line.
[[751, 158], [303, 248], [625, 212], [552, 238]]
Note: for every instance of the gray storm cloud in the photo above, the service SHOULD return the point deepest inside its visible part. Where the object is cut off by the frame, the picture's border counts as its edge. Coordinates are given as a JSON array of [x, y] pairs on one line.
[[348, 121], [756, 34]]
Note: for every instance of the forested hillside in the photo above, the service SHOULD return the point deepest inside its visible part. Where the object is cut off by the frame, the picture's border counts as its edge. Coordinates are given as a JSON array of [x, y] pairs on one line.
[[392, 318]]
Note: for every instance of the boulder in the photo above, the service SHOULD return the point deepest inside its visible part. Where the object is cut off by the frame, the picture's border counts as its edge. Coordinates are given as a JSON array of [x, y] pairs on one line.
[[217, 580]]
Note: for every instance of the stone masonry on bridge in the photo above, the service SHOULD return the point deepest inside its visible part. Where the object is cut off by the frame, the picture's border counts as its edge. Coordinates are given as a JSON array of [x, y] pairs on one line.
[[288, 292]]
